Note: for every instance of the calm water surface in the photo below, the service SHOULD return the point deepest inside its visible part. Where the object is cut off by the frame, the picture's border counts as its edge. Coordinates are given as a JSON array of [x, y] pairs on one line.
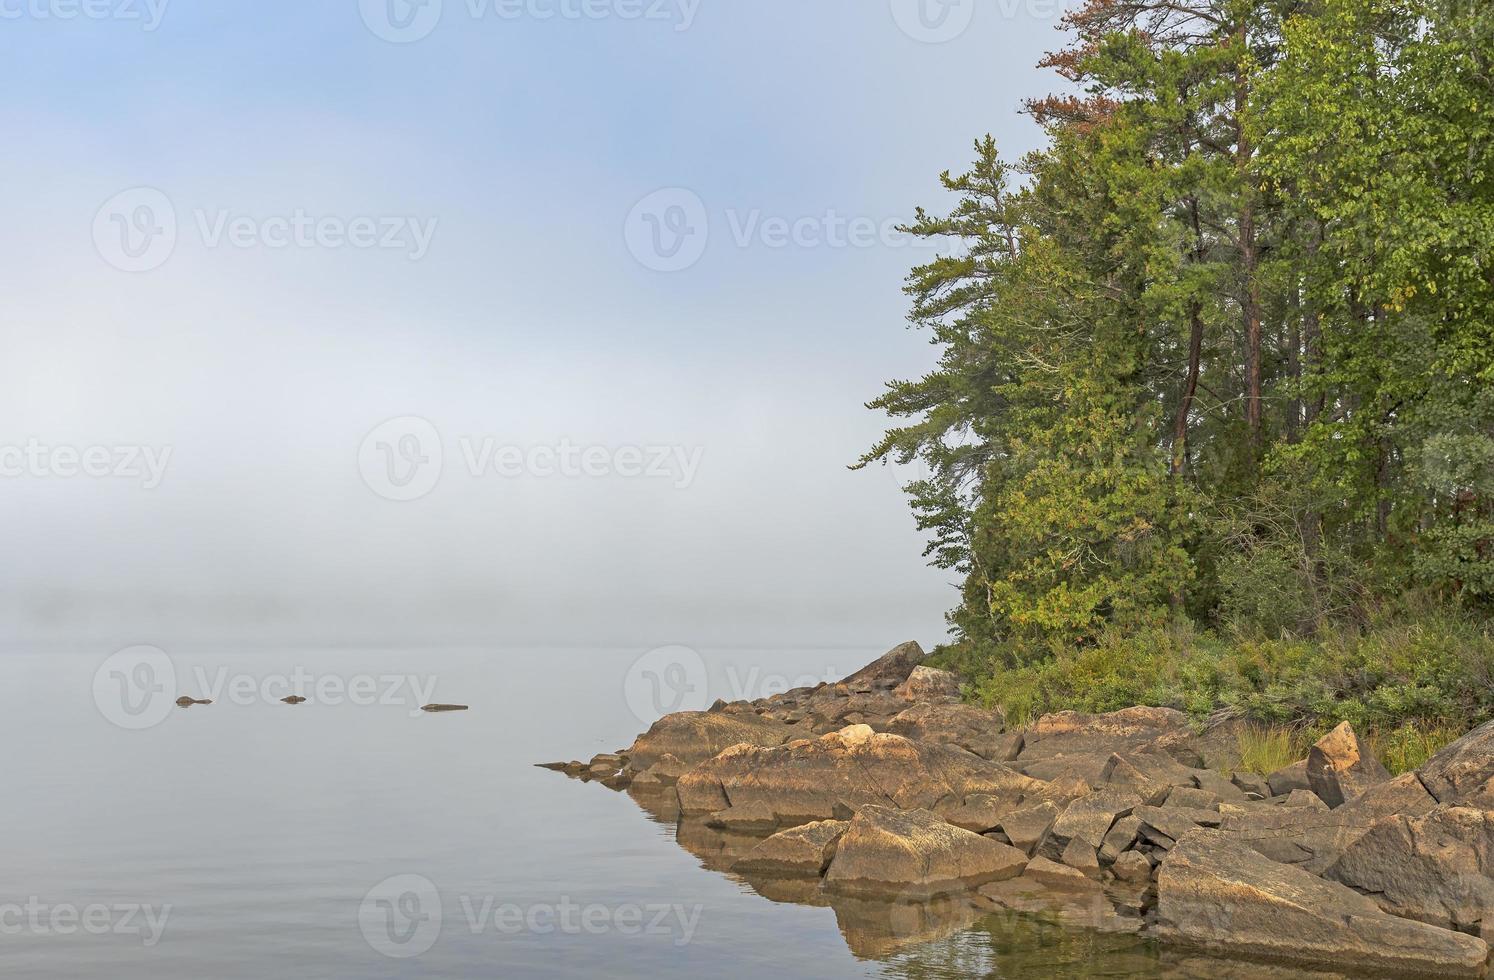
[[317, 840]]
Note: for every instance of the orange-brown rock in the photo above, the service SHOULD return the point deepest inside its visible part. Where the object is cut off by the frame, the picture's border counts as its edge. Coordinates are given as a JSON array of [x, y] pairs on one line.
[[1215, 892], [912, 853]]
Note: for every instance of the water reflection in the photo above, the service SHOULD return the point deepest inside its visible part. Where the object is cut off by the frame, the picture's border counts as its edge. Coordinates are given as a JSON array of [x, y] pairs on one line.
[[1032, 933]]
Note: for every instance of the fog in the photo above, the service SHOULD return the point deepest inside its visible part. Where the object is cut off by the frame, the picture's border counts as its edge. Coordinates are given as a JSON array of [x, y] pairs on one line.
[[405, 371]]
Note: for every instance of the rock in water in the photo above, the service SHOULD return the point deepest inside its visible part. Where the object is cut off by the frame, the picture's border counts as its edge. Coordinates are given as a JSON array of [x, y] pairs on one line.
[[894, 666], [1340, 767], [444, 707], [1438, 868], [1463, 773], [913, 853], [1215, 892], [803, 850]]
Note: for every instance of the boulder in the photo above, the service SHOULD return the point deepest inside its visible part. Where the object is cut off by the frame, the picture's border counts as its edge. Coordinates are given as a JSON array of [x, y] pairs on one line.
[[662, 774], [1089, 819], [1151, 785], [1165, 825], [1340, 767], [927, 684], [1132, 867], [975, 729], [911, 853], [1071, 732], [1302, 797], [1120, 838], [1085, 768], [1073, 744], [1249, 782], [981, 813], [1213, 891], [828, 777], [1463, 772], [1082, 858], [1192, 799], [803, 850], [1221, 786], [693, 736], [1294, 776], [1314, 838], [1026, 828], [895, 666], [1438, 868]]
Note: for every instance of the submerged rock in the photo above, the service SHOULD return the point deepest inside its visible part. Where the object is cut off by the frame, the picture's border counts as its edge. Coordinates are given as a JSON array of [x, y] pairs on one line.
[[914, 852], [1214, 891]]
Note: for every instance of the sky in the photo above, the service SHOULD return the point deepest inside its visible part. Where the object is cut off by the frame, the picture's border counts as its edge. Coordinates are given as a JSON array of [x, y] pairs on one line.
[[511, 321]]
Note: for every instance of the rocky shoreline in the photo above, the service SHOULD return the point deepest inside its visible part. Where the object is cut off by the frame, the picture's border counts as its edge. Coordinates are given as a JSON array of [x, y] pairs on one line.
[[887, 795]]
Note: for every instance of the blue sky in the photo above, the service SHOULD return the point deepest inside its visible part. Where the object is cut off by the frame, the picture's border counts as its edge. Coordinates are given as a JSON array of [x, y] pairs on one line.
[[519, 146]]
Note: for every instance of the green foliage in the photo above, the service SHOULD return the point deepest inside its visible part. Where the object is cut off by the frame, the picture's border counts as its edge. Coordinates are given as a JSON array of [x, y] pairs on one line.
[[1216, 376], [1433, 673]]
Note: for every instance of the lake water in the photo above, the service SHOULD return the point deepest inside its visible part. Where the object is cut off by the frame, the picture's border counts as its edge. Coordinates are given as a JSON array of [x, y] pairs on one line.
[[354, 836]]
